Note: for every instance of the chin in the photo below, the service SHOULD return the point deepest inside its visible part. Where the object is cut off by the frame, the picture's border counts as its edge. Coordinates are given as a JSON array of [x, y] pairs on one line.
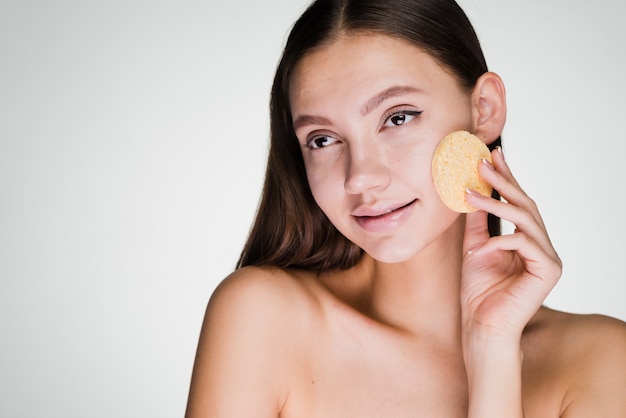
[[391, 255]]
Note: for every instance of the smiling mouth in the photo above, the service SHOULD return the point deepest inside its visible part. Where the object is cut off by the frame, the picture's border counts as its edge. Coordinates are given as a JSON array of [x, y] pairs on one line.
[[387, 212]]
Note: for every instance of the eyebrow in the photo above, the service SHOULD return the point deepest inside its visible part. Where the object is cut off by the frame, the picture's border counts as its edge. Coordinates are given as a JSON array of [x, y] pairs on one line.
[[386, 94], [305, 120], [369, 106]]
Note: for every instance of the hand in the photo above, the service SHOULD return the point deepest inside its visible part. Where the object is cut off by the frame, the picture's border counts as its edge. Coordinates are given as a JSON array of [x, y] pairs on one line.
[[505, 279]]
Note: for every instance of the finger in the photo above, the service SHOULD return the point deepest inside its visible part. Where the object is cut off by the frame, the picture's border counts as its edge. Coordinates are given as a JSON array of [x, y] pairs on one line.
[[518, 208], [476, 230], [545, 266], [522, 211], [500, 164], [523, 220], [499, 175]]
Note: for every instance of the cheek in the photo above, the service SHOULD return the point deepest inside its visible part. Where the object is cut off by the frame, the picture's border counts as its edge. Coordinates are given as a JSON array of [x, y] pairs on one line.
[[325, 185], [413, 162]]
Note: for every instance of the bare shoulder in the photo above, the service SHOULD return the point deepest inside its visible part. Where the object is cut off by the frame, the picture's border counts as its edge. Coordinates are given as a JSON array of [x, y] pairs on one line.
[[583, 357], [262, 289], [265, 298], [247, 343], [583, 339]]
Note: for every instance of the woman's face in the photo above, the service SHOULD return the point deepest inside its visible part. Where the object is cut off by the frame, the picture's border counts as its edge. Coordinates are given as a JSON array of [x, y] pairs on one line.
[[369, 111]]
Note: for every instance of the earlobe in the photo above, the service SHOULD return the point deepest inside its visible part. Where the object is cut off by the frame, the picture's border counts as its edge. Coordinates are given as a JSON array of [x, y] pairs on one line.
[[489, 107]]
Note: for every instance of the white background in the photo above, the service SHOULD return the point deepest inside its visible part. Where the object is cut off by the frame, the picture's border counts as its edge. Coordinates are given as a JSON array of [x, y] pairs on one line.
[[132, 148]]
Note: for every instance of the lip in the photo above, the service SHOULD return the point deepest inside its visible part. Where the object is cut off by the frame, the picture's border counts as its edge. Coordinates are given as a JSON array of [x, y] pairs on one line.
[[381, 219]]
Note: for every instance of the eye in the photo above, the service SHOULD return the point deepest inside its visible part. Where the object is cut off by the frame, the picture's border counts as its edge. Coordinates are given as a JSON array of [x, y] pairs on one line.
[[401, 117], [320, 141]]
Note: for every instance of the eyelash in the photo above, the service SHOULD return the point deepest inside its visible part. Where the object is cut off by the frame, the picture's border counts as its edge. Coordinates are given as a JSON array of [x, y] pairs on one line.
[[401, 112], [311, 142], [397, 112]]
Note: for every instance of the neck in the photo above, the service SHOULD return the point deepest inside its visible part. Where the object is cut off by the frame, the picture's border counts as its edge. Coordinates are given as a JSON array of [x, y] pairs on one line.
[[421, 295]]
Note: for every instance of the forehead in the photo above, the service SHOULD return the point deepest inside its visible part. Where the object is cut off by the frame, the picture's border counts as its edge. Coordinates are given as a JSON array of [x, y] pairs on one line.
[[354, 66]]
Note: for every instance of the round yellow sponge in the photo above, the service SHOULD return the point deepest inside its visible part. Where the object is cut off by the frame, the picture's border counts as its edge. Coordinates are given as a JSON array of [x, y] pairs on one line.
[[455, 169]]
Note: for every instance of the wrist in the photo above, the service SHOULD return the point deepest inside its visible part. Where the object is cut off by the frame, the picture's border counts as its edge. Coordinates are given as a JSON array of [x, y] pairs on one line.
[[494, 376], [480, 333], [483, 346]]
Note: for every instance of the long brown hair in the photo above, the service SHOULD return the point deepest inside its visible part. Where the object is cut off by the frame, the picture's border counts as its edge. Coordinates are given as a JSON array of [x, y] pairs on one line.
[[290, 230]]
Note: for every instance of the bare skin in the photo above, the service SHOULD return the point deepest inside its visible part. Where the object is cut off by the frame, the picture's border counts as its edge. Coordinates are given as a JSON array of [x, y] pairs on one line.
[[437, 319], [334, 360]]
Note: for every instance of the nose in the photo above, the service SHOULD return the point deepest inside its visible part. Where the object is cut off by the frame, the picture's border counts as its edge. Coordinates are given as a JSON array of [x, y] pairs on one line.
[[368, 169]]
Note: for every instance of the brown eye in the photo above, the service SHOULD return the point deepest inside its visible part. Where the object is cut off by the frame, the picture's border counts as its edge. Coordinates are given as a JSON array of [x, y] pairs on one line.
[[320, 142], [398, 120], [401, 118]]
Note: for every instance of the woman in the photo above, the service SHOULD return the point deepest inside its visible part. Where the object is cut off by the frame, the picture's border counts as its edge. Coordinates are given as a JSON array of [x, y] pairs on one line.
[[359, 293]]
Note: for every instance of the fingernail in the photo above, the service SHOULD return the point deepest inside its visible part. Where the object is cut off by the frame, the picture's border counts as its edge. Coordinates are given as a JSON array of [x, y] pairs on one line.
[[499, 148], [488, 164]]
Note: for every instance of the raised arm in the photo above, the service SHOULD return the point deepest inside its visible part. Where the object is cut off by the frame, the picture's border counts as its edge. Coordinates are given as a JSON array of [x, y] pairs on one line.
[[505, 281]]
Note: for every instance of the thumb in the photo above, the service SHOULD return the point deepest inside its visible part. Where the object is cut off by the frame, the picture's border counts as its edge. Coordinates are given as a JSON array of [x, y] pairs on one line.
[[476, 230]]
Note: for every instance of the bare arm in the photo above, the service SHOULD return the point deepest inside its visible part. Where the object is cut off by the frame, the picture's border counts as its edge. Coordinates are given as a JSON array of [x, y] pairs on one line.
[[239, 369], [505, 281], [494, 372]]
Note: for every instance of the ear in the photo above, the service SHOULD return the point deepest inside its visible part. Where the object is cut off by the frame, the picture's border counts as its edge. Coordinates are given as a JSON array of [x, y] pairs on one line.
[[488, 107]]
